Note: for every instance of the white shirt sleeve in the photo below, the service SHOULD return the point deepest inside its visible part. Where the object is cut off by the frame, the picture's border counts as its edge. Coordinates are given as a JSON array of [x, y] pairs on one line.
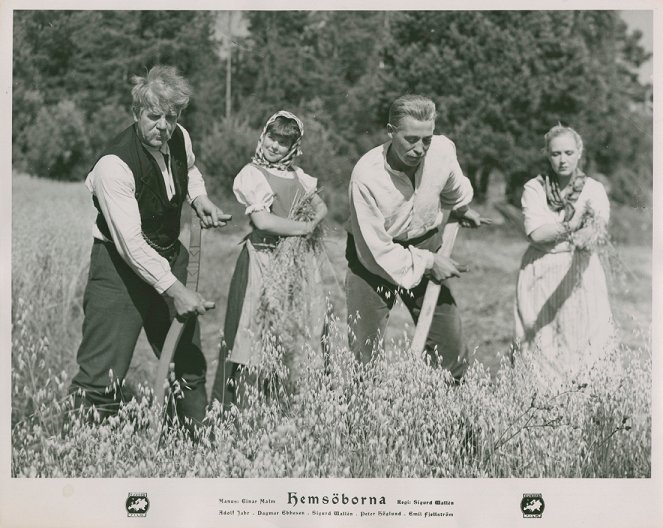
[[376, 249], [196, 185], [112, 182], [308, 182], [536, 212], [457, 191], [252, 190], [598, 200]]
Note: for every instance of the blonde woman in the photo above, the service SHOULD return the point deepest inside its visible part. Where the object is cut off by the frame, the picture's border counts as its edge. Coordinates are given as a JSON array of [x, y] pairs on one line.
[[562, 309]]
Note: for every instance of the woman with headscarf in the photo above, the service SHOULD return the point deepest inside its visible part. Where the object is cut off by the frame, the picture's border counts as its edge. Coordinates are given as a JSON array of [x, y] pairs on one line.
[[563, 315], [268, 187]]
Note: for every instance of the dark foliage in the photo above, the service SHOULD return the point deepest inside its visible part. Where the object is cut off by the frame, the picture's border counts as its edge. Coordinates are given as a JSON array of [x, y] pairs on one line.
[[500, 78]]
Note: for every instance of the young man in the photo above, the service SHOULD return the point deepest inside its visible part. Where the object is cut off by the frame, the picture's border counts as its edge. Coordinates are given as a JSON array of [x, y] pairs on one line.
[[397, 193], [138, 267]]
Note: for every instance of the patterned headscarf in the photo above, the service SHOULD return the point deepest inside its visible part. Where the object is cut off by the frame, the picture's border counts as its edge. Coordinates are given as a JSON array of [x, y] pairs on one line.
[[559, 200], [295, 150]]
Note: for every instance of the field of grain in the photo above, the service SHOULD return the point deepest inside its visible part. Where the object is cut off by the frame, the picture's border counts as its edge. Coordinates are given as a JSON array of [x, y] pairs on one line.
[[404, 421]]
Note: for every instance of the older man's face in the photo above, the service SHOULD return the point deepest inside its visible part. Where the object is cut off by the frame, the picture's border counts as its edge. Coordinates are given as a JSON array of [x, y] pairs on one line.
[[410, 140], [155, 126]]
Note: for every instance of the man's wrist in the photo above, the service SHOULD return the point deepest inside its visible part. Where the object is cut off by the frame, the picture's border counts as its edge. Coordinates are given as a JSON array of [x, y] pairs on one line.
[[461, 211], [430, 260], [195, 199], [169, 286]]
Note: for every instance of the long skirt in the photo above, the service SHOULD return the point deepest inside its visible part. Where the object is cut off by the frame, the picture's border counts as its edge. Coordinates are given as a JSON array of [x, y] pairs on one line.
[[562, 313], [246, 351]]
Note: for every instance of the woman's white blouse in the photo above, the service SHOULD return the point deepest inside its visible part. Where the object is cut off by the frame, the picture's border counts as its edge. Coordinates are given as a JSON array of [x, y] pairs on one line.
[[252, 189], [537, 212]]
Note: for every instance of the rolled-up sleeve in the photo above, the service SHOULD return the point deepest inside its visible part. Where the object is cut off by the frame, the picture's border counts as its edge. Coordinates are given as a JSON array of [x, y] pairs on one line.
[[113, 184], [457, 191], [376, 249]]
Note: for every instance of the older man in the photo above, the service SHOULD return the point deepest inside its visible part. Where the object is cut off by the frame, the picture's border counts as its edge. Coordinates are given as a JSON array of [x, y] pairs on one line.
[[397, 193], [138, 267]]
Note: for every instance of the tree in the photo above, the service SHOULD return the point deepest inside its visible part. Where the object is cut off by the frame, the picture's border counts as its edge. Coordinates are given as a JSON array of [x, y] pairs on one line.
[[502, 79], [89, 57]]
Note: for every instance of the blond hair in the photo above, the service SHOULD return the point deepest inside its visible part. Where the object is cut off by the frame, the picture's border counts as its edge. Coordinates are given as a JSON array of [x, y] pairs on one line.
[[560, 130], [416, 106]]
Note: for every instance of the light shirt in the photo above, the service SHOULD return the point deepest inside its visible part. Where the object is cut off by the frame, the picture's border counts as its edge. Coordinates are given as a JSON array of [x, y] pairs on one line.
[[537, 212], [253, 191], [385, 207], [112, 182]]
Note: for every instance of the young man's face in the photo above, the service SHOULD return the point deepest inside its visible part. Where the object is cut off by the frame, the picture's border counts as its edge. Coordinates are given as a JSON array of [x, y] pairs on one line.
[[410, 140], [155, 126]]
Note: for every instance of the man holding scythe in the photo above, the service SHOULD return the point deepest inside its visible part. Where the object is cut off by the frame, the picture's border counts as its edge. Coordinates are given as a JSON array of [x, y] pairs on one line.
[[138, 267], [398, 194]]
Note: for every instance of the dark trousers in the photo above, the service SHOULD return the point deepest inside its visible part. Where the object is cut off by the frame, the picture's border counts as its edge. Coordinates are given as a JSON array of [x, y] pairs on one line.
[[117, 304], [370, 299]]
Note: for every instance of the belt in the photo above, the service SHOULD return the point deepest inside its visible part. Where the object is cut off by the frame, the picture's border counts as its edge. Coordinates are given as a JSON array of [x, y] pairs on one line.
[[417, 240], [355, 264], [261, 240]]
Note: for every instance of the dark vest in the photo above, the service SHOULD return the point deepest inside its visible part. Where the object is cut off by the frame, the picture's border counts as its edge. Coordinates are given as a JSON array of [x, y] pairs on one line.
[[160, 217], [285, 191]]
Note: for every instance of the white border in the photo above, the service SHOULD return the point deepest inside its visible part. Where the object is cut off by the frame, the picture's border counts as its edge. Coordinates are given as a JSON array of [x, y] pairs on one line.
[[194, 502]]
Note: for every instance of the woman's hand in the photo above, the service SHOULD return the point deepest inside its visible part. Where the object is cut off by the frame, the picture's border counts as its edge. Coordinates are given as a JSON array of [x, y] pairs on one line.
[[309, 227], [576, 222], [589, 237], [581, 237], [320, 209]]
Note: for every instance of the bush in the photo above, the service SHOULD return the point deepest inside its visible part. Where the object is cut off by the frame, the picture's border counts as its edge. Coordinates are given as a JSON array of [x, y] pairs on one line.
[[631, 225], [631, 187], [25, 106], [58, 143], [224, 151], [104, 124], [324, 160]]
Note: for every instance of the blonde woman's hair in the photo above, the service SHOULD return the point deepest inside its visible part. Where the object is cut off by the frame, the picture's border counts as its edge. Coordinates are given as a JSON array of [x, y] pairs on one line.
[[560, 130]]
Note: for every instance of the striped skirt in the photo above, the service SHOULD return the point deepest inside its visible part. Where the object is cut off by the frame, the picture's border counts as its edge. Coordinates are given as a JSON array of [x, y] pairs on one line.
[[562, 313]]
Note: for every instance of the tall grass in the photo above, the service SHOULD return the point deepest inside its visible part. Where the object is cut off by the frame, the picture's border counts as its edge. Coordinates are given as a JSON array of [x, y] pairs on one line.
[[393, 418], [289, 291]]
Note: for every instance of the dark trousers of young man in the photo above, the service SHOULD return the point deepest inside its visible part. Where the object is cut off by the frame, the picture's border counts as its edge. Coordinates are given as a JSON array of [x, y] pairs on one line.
[[370, 299], [118, 304]]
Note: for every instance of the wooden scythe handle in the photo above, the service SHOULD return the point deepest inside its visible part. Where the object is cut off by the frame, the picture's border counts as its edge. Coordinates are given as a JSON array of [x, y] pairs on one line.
[[449, 233], [177, 326]]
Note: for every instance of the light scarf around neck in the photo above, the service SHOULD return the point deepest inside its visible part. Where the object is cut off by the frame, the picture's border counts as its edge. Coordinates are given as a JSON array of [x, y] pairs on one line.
[[295, 150], [563, 200]]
